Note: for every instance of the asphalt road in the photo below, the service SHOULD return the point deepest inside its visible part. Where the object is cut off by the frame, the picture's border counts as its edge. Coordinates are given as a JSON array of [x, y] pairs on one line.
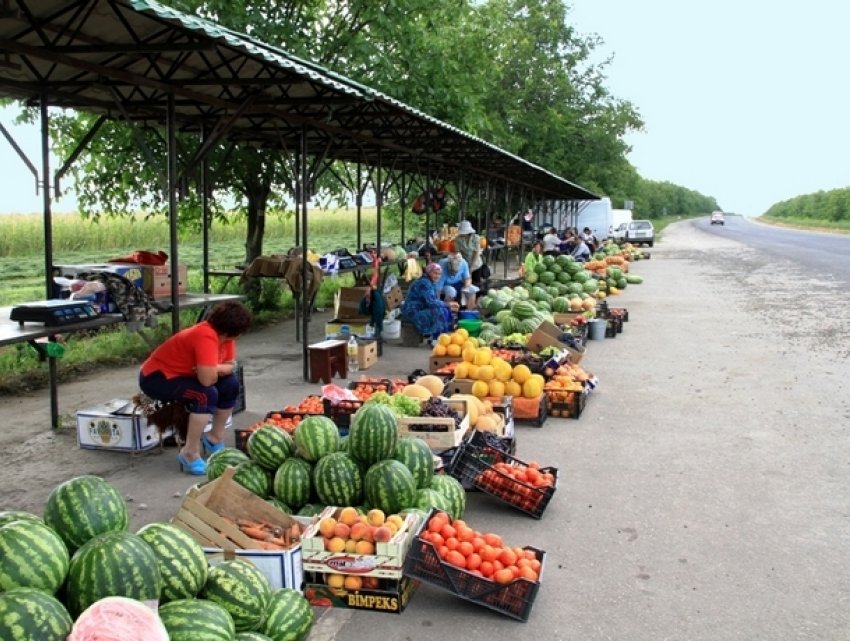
[[826, 254]]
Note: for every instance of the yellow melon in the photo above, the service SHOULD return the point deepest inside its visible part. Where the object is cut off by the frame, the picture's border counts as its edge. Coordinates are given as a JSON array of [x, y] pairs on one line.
[[470, 342], [497, 361], [433, 384], [483, 356], [417, 391], [471, 407], [439, 350], [532, 388], [575, 305], [497, 389], [588, 304], [444, 339], [453, 350], [487, 423], [512, 388], [503, 372], [472, 371], [469, 354], [480, 389], [539, 378], [462, 370], [521, 373], [457, 339], [486, 373], [462, 333]]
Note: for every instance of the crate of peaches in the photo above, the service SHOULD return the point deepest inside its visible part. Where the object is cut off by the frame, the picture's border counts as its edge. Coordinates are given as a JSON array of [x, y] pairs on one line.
[[525, 486], [475, 566]]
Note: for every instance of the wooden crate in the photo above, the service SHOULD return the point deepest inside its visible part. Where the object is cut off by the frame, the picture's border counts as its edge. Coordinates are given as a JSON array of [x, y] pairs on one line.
[[438, 441]]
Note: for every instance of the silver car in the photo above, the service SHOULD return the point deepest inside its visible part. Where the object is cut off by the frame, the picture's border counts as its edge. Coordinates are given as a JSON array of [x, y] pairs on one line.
[[637, 232]]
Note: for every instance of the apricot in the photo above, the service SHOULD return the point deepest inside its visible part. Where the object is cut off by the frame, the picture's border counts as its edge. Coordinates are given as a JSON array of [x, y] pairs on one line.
[[350, 546], [371, 582], [326, 526], [376, 517], [336, 544], [353, 583], [335, 580], [391, 527], [341, 530], [357, 531], [369, 534], [383, 534], [364, 547], [397, 520], [349, 516]]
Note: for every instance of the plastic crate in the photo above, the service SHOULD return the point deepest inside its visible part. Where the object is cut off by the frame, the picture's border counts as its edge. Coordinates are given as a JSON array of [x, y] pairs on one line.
[[373, 385], [611, 329], [622, 312], [565, 409], [506, 444], [476, 456], [540, 419], [241, 439], [341, 413], [514, 599]]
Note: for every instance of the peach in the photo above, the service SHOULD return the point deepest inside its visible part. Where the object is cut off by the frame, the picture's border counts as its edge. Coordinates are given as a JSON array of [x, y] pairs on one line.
[[349, 516], [364, 547], [369, 534], [376, 517], [364, 520], [351, 546], [383, 534], [370, 582], [326, 526], [336, 544], [341, 530], [358, 530], [353, 583], [391, 527], [396, 519], [335, 580]]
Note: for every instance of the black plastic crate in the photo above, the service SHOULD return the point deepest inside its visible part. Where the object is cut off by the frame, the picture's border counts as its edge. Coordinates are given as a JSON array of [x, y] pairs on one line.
[[474, 463], [622, 312], [514, 599], [611, 329], [241, 439], [571, 408], [373, 385], [540, 419], [341, 413], [506, 444], [241, 402]]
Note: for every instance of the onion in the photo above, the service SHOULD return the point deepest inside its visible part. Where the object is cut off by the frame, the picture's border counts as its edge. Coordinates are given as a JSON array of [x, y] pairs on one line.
[[118, 618]]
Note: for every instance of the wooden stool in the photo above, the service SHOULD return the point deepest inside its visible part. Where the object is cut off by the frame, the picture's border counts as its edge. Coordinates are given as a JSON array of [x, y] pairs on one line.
[[326, 359], [410, 336]]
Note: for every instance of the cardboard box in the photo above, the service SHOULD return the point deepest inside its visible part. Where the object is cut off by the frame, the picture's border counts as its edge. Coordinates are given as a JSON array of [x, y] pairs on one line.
[[390, 596], [201, 514], [344, 329], [546, 335], [367, 353], [436, 363], [566, 317], [113, 426], [386, 563], [459, 386], [437, 441], [347, 303], [394, 298], [157, 280]]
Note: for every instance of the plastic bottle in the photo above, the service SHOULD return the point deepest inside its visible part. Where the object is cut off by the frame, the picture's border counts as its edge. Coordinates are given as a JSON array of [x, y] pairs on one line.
[[353, 365]]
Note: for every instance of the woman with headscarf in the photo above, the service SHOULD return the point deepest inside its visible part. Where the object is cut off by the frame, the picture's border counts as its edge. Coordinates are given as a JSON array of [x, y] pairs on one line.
[[422, 305], [468, 244], [456, 281]]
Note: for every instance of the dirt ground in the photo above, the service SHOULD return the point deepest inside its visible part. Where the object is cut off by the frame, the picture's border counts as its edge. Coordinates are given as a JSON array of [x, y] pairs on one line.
[[702, 493]]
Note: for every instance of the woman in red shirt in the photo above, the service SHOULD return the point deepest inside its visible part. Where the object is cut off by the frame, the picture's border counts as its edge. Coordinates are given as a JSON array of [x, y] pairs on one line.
[[196, 366]]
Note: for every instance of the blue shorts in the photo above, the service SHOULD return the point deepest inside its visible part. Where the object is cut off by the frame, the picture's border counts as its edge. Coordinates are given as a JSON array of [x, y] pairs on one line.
[[200, 399]]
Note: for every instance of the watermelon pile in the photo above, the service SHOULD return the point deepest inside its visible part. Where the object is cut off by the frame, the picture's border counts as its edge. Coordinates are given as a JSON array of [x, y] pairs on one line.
[[81, 562]]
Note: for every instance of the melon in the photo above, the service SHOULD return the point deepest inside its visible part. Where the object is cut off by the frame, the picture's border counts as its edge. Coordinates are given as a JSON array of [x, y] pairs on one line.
[[417, 391], [432, 383]]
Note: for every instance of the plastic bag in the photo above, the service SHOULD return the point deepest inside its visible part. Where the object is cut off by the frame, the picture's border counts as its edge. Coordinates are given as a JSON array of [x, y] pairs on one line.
[[526, 408], [336, 394], [413, 271]]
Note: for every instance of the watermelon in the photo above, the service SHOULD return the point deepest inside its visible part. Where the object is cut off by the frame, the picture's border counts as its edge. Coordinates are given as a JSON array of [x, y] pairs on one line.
[[417, 457], [182, 562], [540, 268], [196, 620], [80, 509], [564, 278], [547, 278], [548, 260], [428, 498], [289, 617], [118, 617], [538, 293], [633, 279], [311, 509], [562, 260], [390, 486], [8, 516], [32, 556], [531, 277], [280, 505], [112, 564], [561, 305], [556, 269], [502, 315], [254, 478], [221, 460], [374, 434], [28, 614], [343, 443], [251, 636], [523, 310], [453, 491], [241, 589], [338, 480], [589, 286], [270, 446], [315, 437], [292, 483]]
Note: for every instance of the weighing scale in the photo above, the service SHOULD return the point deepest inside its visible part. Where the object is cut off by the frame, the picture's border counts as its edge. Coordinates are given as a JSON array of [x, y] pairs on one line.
[[54, 312]]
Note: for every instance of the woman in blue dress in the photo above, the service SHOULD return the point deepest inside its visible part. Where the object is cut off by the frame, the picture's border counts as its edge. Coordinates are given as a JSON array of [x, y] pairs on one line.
[[423, 307]]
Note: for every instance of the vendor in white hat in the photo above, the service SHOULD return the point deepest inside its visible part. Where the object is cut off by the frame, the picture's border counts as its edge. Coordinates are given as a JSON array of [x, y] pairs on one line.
[[468, 244]]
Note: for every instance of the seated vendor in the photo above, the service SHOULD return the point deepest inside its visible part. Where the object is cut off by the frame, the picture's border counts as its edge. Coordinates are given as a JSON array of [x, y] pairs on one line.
[[456, 281], [422, 305], [195, 366]]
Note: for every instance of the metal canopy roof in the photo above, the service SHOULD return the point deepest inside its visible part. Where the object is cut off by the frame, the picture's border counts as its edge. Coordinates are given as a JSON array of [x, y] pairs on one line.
[[122, 58]]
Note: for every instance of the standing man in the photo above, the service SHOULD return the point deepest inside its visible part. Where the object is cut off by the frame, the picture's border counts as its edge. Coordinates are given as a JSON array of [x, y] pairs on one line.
[[468, 245]]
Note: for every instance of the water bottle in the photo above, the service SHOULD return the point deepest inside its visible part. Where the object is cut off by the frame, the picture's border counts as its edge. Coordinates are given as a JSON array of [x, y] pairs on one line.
[[353, 365]]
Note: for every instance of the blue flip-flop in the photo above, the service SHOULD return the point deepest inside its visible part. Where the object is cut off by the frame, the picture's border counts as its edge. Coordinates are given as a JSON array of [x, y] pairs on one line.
[[213, 448], [198, 467]]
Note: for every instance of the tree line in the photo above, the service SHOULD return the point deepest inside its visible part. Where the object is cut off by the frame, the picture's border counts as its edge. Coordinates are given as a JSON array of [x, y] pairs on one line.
[[515, 73], [831, 206]]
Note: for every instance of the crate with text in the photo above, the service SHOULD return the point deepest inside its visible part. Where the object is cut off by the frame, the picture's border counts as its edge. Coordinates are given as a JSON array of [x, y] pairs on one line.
[[329, 590]]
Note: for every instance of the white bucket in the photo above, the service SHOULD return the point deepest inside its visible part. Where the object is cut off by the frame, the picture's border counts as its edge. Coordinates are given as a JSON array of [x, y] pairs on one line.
[[392, 329]]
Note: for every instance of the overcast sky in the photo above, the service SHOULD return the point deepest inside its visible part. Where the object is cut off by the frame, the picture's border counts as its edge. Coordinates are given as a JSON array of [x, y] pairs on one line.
[[743, 100]]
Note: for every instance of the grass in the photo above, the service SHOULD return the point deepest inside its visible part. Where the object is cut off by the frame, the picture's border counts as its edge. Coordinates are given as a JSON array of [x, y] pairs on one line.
[[79, 242], [841, 226]]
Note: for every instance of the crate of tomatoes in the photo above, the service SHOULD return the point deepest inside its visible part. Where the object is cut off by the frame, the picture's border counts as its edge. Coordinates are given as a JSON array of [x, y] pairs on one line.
[[475, 566], [366, 387], [286, 419], [525, 486]]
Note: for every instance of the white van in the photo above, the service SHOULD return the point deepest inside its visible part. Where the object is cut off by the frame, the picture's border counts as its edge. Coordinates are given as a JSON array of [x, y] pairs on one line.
[[598, 216], [621, 216]]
